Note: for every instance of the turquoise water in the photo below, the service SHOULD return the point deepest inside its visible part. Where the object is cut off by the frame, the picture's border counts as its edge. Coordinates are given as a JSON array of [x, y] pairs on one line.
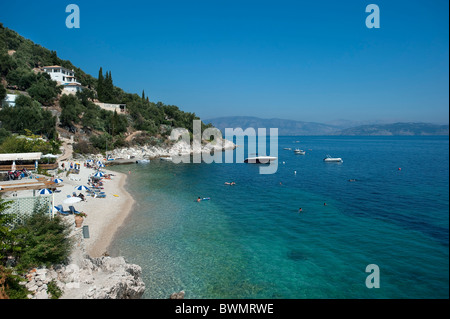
[[249, 241]]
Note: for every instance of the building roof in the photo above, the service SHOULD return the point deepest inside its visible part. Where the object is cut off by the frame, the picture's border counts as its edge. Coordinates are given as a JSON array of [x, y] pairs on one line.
[[72, 84], [20, 157], [57, 67]]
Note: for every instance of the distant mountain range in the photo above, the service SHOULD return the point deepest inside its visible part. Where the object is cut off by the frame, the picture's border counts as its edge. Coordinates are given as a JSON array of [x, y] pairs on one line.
[[292, 128], [397, 129]]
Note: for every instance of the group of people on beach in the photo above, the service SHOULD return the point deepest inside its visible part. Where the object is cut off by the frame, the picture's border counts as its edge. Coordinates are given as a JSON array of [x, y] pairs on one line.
[[71, 166]]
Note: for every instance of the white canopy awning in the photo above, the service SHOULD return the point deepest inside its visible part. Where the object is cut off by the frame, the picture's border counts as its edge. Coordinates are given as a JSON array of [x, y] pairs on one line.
[[20, 157]]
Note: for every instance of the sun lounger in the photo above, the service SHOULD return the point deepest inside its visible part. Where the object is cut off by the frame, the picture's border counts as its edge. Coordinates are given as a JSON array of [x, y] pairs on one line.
[[73, 210], [60, 211]]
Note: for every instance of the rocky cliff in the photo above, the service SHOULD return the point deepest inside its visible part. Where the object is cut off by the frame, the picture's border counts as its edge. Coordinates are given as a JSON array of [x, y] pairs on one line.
[[84, 277]]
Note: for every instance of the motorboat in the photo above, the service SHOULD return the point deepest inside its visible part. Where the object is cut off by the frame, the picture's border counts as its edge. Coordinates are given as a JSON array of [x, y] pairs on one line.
[[167, 159], [260, 159], [287, 148], [143, 161], [330, 159], [299, 151]]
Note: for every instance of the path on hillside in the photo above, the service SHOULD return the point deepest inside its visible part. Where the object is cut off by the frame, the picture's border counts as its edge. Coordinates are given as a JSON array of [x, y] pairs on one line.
[[67, 149], [130, 138]]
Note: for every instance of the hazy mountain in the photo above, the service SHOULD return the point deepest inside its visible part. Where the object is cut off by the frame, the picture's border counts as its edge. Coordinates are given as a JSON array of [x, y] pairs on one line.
[[285, 127], [343, 123], [291, 127], [402, 129]]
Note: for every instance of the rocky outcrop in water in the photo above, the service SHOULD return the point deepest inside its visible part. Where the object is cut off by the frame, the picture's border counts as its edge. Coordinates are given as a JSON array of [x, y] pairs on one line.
[[179, 148]]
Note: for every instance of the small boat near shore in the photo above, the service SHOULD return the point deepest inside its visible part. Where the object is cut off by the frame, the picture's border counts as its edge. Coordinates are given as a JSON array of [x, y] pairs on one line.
[[260, 159], [287, 148], [299, 151], [167, 159], [143, 161], [330, 159]]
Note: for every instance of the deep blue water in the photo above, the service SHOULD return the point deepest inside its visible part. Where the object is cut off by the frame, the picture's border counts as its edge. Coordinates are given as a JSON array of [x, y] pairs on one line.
[[249, 241]]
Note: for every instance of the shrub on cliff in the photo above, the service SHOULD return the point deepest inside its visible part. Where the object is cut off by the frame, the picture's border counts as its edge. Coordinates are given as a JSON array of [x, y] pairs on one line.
[[45, 242], [37, 241]]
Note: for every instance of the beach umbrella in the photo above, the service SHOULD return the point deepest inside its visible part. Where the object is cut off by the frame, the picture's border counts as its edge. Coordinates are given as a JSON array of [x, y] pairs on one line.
[[72, 200], [99, 174], [45, 191], [58, 180], [101, 165], [82, 188]]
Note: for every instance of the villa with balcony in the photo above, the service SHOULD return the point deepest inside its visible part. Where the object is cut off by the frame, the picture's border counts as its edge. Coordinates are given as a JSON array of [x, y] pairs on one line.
[[64, 77]]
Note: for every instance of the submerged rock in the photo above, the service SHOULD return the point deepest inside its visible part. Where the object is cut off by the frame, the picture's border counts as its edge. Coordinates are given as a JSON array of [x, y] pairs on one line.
[[177, 295]]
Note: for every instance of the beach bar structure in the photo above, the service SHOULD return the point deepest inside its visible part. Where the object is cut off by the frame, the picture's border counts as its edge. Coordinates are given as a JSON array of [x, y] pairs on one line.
[[19, 161], [29, 161]]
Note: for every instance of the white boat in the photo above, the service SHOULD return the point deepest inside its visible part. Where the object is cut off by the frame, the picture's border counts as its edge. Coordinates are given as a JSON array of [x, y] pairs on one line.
[[260, 159], [143, 161], [288, 149], [167, 159], [330, 159], [299, 152]]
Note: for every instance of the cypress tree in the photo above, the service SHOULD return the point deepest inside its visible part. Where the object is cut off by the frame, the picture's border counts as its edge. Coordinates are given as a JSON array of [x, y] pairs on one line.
[[100, 84], [108, 87]]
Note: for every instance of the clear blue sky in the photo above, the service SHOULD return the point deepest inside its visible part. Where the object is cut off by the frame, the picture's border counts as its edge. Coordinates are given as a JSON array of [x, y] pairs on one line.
[[302, 60]]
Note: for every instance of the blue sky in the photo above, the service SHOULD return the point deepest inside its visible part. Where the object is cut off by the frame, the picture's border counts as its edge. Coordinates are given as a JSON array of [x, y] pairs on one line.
[[302, 60]]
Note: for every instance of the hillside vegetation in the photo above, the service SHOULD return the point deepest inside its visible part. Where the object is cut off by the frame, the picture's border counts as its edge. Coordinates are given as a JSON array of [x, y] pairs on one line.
[[44, 111]]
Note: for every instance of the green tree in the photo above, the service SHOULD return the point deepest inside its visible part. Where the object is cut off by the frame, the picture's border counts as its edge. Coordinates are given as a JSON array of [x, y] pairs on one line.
[[2, 93], [23, 77], [10, 247], [100, 84], [72, 110], [108, 92], [7, 63], [28, 114], [46, 240], [102, 142], [44, 90]]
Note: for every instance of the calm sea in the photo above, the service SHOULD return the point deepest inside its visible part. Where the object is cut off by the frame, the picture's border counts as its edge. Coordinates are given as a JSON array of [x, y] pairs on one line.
[[250, 241]]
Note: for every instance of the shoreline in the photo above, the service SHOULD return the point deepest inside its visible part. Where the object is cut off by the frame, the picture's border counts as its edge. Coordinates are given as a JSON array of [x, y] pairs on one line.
[[108, 230], [104, 215]]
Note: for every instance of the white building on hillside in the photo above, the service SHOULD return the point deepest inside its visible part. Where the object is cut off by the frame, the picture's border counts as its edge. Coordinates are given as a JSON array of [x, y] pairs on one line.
[[64, 77], [10, 100]]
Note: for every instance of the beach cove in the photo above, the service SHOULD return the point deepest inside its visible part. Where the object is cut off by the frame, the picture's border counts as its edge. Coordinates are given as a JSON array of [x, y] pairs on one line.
[[250, 241]]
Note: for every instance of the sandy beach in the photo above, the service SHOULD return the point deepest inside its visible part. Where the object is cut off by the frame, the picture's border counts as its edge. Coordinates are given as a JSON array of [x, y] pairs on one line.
[[104, 215]]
